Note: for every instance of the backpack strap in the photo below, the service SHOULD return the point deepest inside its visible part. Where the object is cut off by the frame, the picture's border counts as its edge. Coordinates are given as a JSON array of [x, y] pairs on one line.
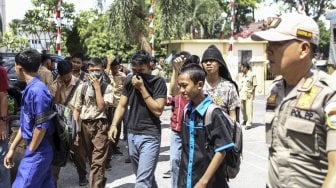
[[208, 114], [71, 93], [44, 116], [83, 91]]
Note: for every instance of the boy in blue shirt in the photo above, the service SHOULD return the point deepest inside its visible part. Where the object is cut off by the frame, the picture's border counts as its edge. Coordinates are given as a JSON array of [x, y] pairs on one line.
[[203, 147], [35, 168]]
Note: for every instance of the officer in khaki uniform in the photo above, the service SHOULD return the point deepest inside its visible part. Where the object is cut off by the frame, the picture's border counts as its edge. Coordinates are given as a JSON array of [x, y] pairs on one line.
[[301, 107], [248, 83]]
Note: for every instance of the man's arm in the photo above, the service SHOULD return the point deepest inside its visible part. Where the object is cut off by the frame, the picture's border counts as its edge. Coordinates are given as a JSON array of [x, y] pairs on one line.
[[330, 180], [38, 136], [213, 166], [156, 106], [118, 116], [3, 113]]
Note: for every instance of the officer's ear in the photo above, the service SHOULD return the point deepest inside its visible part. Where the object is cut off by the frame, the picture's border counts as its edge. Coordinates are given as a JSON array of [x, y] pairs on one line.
[[305, 48]]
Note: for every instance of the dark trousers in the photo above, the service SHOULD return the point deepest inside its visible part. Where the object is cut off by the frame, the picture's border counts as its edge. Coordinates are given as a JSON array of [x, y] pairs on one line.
[[96, 145], [78, 156]]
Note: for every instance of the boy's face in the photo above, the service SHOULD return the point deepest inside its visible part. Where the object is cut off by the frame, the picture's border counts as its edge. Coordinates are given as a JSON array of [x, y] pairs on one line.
[[76, 63], [95, 70], [140, 68], [66, 78], [189, 89]]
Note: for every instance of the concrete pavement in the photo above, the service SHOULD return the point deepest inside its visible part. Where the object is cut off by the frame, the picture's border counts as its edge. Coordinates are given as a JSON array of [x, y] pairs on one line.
[[253, 167]]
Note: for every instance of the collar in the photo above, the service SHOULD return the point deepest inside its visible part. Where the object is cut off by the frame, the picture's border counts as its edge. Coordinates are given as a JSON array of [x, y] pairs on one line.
[[32, 82], [202, 107], [73, 80]]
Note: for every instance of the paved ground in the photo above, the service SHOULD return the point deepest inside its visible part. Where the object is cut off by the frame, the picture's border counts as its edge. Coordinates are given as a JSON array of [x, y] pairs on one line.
[[253, 167]]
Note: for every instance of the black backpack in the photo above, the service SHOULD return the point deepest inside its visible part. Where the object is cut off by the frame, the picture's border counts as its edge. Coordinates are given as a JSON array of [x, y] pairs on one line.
[[62, 138], [232, 160]]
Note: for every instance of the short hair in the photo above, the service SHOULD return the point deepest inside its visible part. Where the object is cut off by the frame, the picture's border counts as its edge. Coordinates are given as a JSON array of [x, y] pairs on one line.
[[140, 57], [117, 60], [245, 64], [78, 55], [191, 59], [95, 62], [29, 59], [64, 67], [44, 58], [195, 72]]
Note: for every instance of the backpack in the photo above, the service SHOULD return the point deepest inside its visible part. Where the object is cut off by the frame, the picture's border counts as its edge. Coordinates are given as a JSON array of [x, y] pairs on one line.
[[232, 160], [62, 137]]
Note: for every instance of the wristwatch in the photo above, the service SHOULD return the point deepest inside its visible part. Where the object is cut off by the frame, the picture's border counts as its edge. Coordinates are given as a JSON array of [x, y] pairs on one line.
[[3, 118]]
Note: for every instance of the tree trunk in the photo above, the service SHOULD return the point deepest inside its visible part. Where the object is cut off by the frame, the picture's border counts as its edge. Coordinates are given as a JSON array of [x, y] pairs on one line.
[[145, 45]]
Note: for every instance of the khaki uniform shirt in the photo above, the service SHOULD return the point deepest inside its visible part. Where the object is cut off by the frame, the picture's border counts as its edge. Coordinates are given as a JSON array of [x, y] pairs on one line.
[[297, 133], [117, 82], [63, 89], [45, 75], [88, 108], [247, 83]]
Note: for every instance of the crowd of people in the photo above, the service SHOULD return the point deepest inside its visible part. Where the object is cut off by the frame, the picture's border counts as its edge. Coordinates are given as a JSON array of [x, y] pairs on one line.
[[299, 120]]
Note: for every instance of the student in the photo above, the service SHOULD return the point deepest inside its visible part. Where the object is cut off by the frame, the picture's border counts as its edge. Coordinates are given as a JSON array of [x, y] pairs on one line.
[[44, 72], [4, 172], [117, 80], [219, 84], [146, 94], [89, 105], [35, 167], [178, 103], [63, 89], [77, 63], [203, 148]]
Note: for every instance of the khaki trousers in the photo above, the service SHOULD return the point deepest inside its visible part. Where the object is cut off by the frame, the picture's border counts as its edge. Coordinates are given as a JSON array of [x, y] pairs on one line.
[[247, 110], [96, 145]]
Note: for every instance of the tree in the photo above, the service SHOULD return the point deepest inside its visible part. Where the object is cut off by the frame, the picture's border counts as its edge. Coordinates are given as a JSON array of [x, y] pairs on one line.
[[39, 24], [13, 43], [312, 8]]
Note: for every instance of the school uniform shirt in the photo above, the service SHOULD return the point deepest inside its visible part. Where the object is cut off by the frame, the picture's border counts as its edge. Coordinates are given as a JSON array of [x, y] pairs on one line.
[[62, 88], [117, 82], [88, 106], [199, 144], [224, 94], [45, 75]]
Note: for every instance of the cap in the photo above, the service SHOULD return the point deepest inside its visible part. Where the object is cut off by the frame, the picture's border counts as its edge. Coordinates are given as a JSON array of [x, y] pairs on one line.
[[290, 26]]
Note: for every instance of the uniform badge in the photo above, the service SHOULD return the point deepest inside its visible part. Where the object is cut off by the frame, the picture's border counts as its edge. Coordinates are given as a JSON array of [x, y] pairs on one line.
[[307, 83], [307, 98], [271, 101], [330, 111]]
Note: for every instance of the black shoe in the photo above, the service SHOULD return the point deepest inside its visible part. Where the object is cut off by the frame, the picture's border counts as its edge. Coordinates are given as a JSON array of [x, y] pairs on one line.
[[244, 123], [248, 126], [167, 174], [127, 159], [83, 181], [108, 166]]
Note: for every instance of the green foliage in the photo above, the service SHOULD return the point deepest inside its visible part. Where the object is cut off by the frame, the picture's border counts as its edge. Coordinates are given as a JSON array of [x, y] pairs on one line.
[[324, 39], [37, 22], [313, 8], [13, 43]]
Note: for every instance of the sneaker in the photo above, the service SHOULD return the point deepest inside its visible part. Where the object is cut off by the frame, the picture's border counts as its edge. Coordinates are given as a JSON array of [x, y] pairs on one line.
[[248, 126], [108, 166], [83, 181], [166, 174], [127, 159]]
